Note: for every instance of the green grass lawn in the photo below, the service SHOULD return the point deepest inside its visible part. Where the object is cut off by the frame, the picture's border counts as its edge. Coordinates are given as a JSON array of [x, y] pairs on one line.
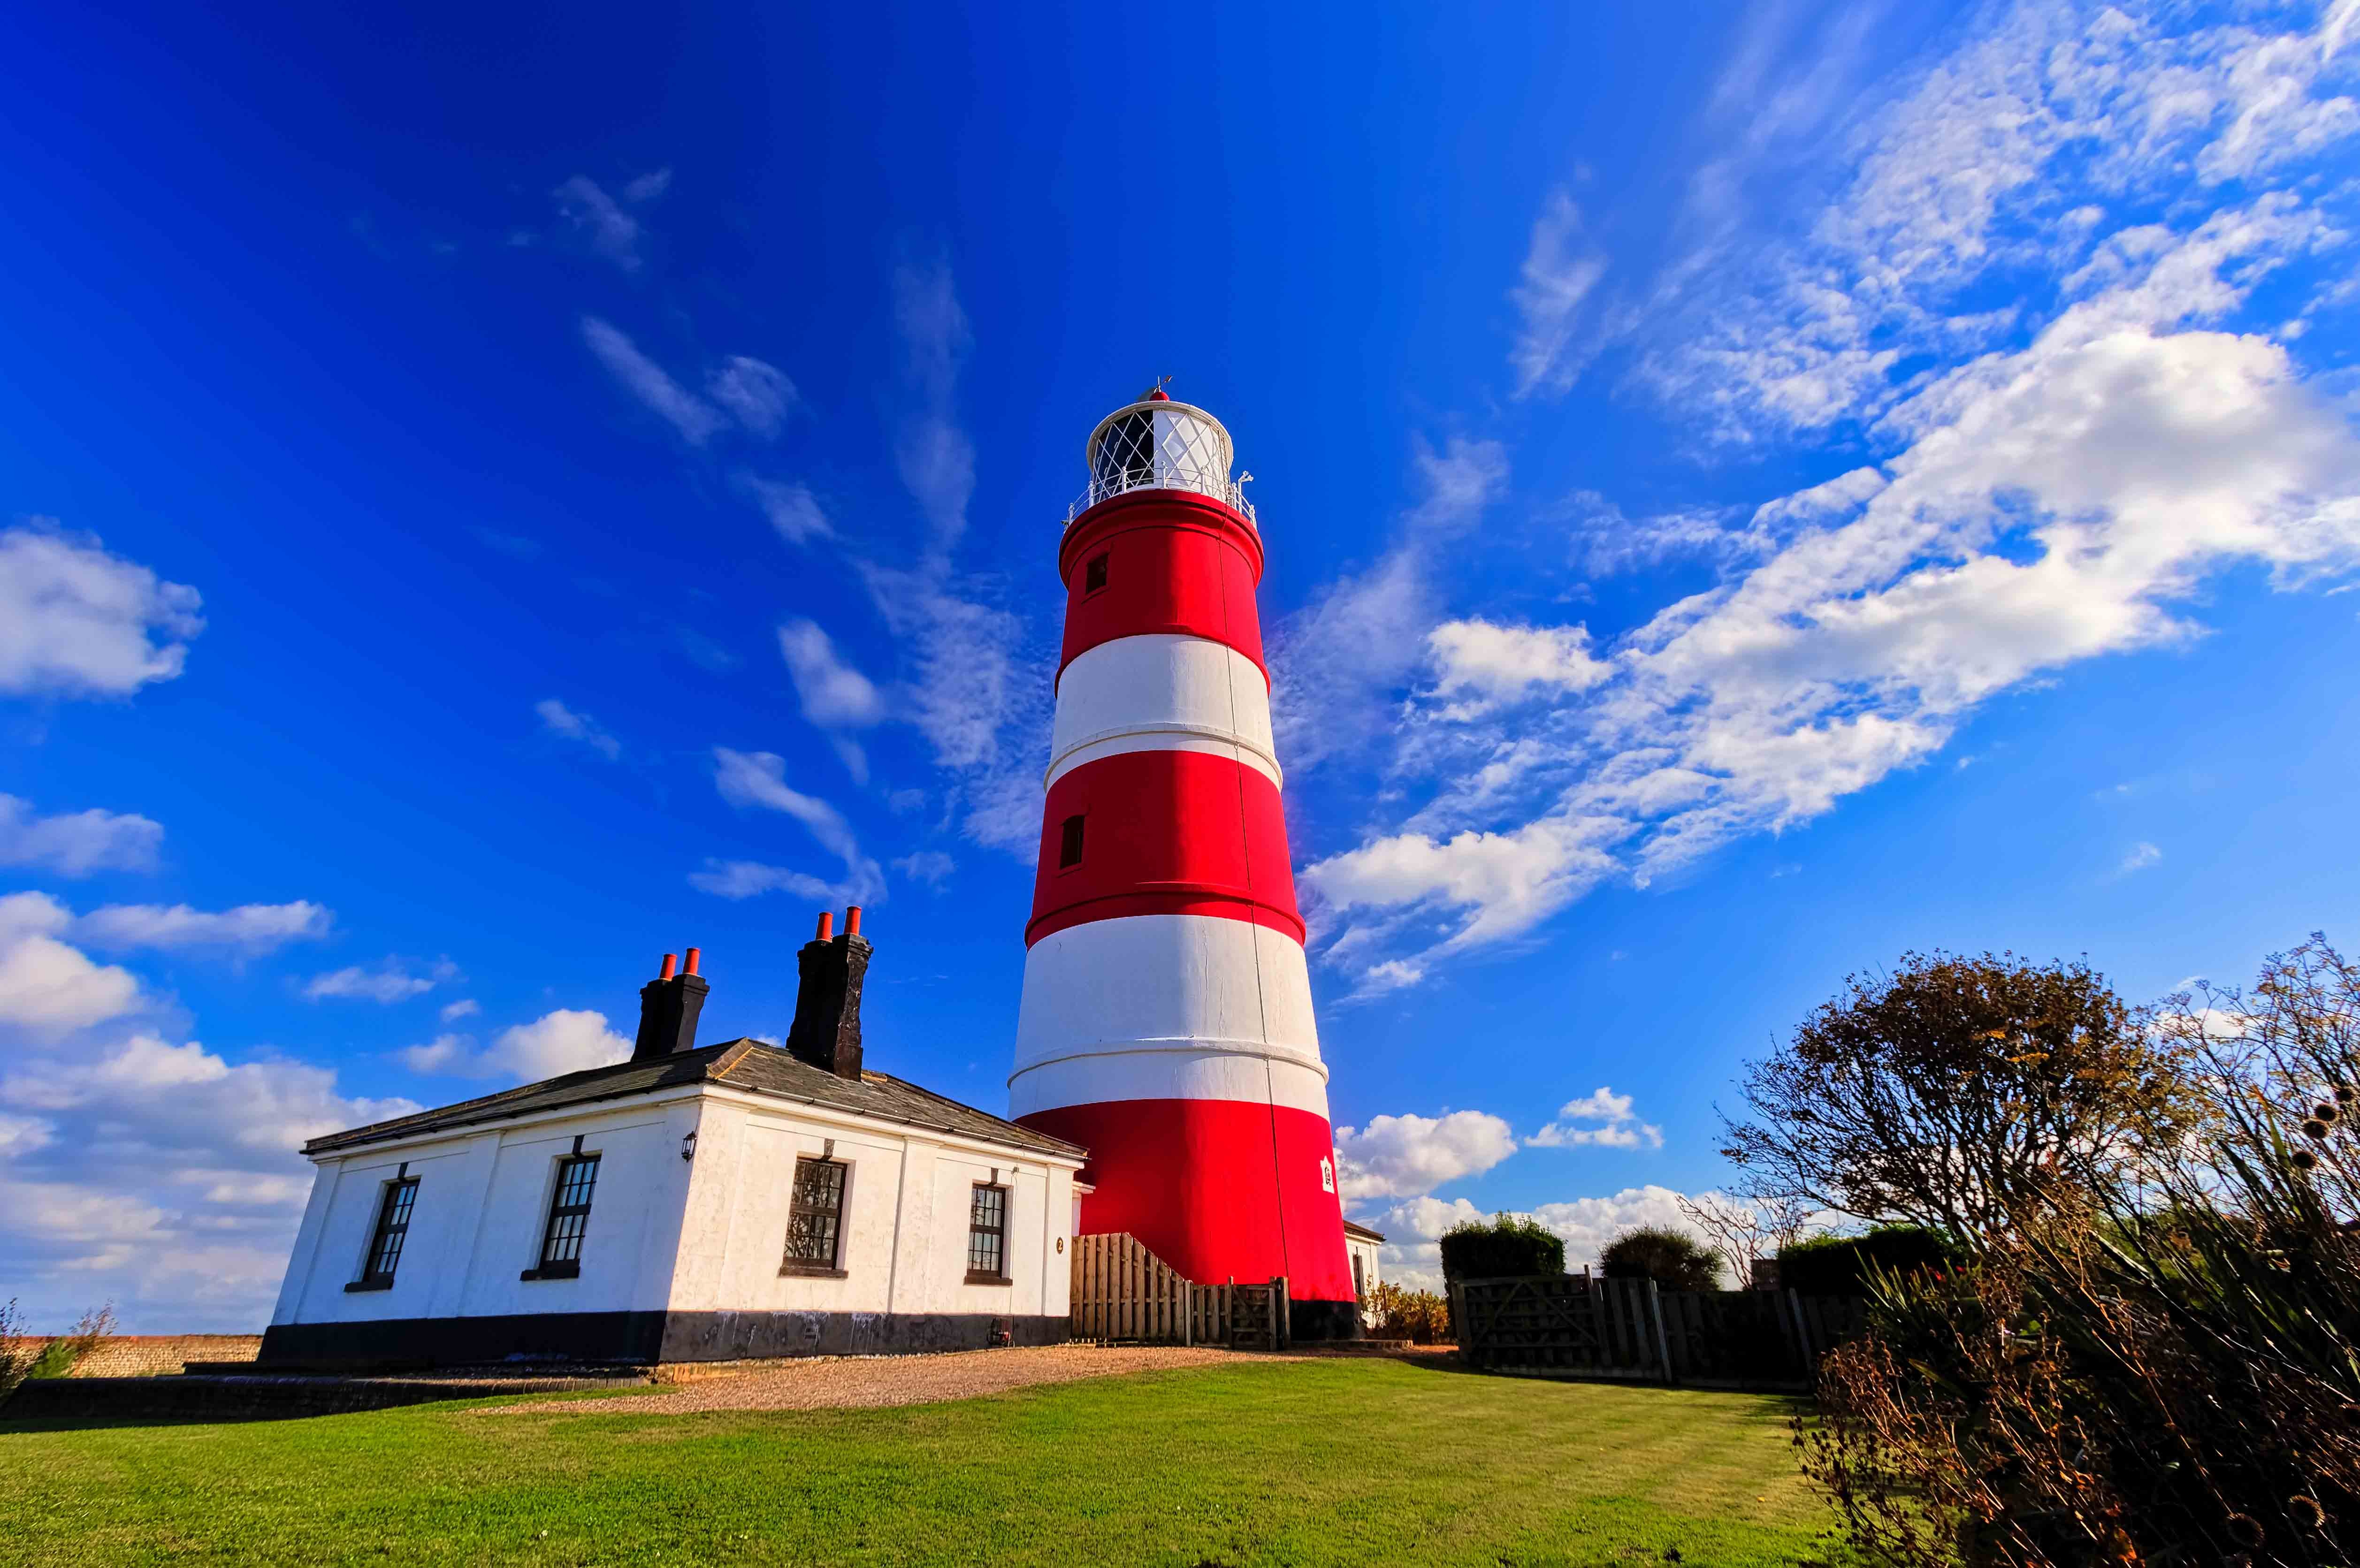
[[1355, 1462]]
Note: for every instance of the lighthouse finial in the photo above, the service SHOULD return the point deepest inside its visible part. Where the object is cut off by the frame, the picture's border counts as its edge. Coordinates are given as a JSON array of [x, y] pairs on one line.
[[1156, 393]]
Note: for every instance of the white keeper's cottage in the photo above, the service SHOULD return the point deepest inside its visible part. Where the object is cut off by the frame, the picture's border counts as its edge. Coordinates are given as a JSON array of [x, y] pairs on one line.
[[693, 1203]]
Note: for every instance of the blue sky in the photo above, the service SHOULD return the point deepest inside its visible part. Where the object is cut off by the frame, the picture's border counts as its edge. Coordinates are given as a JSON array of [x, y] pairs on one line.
[[492, 496]]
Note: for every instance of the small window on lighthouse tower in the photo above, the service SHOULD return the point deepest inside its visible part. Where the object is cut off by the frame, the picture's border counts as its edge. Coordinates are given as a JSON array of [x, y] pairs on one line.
[[1093, 575], [1069, 846], [1326, 1175]]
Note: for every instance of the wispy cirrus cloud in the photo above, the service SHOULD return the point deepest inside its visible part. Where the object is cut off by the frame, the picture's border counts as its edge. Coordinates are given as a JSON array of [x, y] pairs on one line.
[[740, 393], [385, 982], [758, 779], [559, 720]]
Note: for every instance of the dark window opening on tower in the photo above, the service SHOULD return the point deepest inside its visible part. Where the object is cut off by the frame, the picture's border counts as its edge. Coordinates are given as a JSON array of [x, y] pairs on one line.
[[1069, 846], [1094, 576]]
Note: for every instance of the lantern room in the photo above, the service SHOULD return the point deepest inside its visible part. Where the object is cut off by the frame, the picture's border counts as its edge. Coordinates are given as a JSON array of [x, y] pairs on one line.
[[1157, 443]]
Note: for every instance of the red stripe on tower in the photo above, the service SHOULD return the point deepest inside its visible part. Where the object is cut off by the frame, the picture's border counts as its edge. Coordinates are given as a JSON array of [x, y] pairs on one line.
[[1166, 1021]]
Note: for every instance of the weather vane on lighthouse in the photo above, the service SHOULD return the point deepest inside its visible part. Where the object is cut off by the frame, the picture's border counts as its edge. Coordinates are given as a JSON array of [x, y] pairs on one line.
[[1166, 1021]]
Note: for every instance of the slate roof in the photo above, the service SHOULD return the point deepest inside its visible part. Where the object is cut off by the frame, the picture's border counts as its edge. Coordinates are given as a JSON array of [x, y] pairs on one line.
[[746, 1064], [1354, 1227]]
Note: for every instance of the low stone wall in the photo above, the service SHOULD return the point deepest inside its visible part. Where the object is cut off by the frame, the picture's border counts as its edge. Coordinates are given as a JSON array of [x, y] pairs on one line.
[[153, 1355]]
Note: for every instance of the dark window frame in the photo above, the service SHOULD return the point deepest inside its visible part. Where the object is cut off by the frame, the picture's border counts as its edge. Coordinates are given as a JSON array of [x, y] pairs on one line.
[[1094, 574], [1070, 835], [833, 1269], [998, 1234], [395, 1205], [555, 1235]]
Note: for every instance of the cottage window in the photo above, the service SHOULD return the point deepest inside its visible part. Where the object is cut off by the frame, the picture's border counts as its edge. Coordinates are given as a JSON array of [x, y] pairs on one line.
[[986, 1235], [816, 1218], [1093, 575], [1359, 1279], [1069, 843], [392, 1229], [569, 1217]]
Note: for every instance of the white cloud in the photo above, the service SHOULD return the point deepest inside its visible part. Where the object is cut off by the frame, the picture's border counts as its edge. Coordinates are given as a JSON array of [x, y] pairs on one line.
[[1588, 1223], [464, 1007], [600, 219], [2140, 857], [1399, 1156], [758, 778], [931, 866], [1508, 882], [21, 1135], [834, 696], [78, 622], [161, 1176], [2061, 480], [1559, 272], [757, 395], [78, 843], [566, 1041], [1603, 1118], [387, 981], [1412, 1258], [559, 720], [697, 420], [649, 186], [792, 508], [48, 988], [249, 929], [1505, 663]]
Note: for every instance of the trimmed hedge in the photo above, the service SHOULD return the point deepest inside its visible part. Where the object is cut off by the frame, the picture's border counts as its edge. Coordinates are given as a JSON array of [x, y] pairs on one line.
[[1840, 1265], [1506, 1247], [1673, 1259]]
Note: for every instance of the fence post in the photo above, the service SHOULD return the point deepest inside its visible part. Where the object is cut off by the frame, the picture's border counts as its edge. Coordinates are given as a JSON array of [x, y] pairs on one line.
[[1663, 1344], [1803, 1335], [1466, 1352]]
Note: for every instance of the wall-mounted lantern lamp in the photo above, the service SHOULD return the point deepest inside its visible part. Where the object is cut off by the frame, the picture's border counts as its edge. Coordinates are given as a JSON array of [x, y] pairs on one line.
[[688, 1144]]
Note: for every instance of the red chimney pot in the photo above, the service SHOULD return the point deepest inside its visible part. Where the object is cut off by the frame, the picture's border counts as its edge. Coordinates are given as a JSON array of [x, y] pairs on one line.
[[852, 921], [826, 925], [670, 961], [690, 967]]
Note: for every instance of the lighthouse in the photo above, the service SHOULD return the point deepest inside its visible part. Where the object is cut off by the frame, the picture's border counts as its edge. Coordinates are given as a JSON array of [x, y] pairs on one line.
[[1167, 1020]]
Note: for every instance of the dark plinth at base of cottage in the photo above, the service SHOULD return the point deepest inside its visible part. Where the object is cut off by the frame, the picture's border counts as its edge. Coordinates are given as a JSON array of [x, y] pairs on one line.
[[641, 1338]]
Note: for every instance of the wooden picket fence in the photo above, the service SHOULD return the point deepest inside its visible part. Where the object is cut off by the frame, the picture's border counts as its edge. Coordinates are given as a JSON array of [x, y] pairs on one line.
[[1121, 1291], [1575, 1325]]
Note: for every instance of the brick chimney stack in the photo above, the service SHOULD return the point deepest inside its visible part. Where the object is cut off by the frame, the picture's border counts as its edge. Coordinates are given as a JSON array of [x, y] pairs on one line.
[[669, 1007], [826, 1031]]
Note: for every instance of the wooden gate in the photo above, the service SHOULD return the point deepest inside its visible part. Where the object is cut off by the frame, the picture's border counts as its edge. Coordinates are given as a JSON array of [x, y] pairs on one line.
[[1122, 1291], [1571, 1323]]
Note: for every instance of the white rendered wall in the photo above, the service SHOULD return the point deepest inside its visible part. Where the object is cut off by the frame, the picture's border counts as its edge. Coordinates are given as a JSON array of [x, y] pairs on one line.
[[481, 1212], [903, 1243], [1157, 1007], [1160, 691], [665, 1232]]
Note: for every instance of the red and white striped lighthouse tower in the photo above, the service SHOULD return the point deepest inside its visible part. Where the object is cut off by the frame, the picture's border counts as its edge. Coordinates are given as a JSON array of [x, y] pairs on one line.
[[1166, 1021]]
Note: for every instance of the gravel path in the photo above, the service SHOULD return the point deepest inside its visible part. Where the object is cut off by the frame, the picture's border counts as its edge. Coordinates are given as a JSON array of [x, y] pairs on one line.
[[859, 1381]]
